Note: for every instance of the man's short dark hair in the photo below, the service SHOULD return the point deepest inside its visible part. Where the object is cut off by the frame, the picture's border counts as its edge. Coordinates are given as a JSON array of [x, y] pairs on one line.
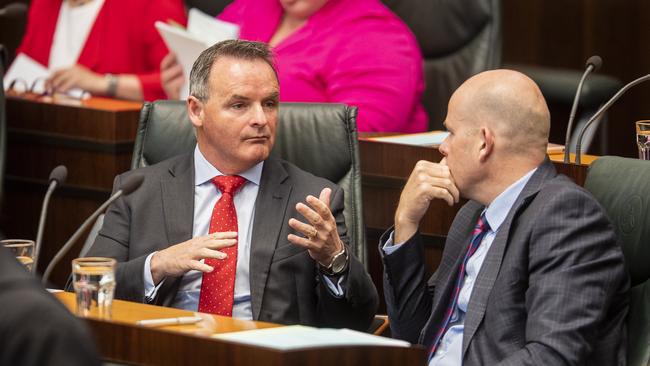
[[238, 49]]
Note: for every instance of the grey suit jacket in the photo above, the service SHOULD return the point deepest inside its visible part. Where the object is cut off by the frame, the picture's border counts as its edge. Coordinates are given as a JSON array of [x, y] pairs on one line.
[[286, 286], [551, 291]]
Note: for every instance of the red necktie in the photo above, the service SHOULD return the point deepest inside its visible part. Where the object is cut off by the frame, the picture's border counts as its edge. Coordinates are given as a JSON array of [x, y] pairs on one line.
[[218, 286]]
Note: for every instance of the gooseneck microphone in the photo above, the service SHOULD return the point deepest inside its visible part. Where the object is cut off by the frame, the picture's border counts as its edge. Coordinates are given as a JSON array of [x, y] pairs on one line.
[[604, 109], [130, 184], [57, 178], [13, 10], [593, 64]]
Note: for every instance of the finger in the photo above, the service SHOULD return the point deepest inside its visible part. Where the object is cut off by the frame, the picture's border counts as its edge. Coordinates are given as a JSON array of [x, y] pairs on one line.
[[222, 235], [447, 184], [443, 161], [219, 243], [214, 254], [171, 74], [68, 84], [312, 216], [325, 196], [168, 61], [200, 266], [305, 229], [442, 193], [300, 241], [320, 207]]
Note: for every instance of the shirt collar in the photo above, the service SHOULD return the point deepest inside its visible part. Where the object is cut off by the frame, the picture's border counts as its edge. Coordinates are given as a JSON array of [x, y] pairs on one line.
[[204, 171], [497, 211]]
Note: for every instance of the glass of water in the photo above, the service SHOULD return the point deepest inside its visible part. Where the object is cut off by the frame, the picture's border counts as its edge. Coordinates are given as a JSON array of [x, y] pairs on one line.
[[22, 249], [643, 139], [94, 285]]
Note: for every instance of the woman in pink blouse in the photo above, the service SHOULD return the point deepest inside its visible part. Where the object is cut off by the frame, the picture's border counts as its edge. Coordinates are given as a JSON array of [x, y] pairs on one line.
[[355, 52]]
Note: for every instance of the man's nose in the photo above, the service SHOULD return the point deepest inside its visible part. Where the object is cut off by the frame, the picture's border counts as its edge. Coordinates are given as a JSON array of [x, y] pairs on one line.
[[258, 117]]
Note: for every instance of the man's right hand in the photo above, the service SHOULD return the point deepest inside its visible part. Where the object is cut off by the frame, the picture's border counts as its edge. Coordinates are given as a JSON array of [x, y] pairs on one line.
[[427, 182], [171, 76], [180, 258]]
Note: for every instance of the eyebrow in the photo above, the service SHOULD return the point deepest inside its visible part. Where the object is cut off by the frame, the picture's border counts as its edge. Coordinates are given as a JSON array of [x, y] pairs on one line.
[[274, 95]]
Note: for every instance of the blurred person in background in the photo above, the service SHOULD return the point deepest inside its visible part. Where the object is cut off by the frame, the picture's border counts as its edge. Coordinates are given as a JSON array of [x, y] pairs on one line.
[[105, 47], [355, 52]]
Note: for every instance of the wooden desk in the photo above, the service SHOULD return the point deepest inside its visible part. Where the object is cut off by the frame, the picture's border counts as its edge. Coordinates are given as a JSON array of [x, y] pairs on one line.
[[121, 340], [93, 138]]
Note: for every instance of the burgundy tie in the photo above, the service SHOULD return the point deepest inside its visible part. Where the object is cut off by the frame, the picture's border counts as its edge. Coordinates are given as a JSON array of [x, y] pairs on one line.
[[218, 286]]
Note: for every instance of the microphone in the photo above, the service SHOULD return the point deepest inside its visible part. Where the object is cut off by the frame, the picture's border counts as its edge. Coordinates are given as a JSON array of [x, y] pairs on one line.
[[593, 64], [604, 109], [57, 178], [130, 184], [13, 9]]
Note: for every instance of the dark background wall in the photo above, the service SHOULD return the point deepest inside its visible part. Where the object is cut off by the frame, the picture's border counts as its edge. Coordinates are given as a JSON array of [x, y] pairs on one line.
[[564, 33]]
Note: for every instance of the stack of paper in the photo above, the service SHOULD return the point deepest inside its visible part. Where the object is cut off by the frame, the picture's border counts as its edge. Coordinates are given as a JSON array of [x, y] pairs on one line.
[[202, 32], [298, 337]]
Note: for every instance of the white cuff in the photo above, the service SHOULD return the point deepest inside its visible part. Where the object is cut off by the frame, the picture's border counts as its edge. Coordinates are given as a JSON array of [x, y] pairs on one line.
[[389, 247], [150, 289], [335, 289]]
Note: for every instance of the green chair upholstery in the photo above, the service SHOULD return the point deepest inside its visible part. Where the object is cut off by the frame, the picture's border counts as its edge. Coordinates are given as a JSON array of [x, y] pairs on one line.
[[318, 138], [622, 186]]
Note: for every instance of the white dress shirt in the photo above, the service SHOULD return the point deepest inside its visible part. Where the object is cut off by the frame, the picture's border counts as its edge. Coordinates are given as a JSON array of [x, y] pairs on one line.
[[72, 29], [449, 351]]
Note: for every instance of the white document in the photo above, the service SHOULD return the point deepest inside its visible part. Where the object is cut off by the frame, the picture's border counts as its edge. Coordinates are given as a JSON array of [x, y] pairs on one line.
[[33, 76], [202, 32], [299, 336], [432, 138]]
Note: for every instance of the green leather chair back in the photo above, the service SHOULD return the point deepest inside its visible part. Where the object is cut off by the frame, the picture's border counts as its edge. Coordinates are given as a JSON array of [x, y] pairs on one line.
[[622, 186], [318, 138]]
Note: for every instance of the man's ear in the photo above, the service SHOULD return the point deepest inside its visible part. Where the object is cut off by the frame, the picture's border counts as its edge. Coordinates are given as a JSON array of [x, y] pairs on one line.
[[487, 144], [195, 109]]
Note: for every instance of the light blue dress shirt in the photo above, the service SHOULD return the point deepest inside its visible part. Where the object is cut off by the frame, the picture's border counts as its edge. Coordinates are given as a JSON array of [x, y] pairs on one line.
[[449, 352]]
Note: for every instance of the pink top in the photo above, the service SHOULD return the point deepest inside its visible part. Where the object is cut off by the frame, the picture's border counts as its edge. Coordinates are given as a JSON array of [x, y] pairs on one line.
[[355, 52]]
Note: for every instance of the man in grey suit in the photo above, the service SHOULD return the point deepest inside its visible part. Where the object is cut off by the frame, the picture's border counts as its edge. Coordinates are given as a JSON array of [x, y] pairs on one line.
[[185, 239], [531, 273]]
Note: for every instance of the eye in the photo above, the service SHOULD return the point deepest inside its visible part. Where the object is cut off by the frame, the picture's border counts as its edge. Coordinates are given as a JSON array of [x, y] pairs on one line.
[[271, 104], [237, 106]]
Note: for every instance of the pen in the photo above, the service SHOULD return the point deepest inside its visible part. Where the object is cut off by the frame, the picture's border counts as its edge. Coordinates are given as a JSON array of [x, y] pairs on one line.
[[169, 321]]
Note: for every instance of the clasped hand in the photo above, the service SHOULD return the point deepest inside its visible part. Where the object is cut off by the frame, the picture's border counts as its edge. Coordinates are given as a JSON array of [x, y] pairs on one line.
[[321, 239], [427, 182]]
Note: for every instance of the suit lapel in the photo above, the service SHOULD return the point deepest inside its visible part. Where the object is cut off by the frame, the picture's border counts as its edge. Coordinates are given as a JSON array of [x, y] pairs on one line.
[[270, 218], [492, 263], [456, 245], [177, 192]]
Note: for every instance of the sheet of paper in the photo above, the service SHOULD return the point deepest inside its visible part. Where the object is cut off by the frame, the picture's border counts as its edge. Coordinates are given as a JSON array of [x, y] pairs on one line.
[[186, 47], [210, 29], [33, 74], [432, 138], [298, 337]]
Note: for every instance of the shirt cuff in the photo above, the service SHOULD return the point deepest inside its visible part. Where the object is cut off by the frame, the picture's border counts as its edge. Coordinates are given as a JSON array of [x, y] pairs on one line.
[[390, 247], [335, 289], [150, 290]]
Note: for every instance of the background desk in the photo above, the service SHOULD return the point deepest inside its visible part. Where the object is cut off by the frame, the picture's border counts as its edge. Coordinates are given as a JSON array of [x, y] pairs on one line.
[[121, 340]]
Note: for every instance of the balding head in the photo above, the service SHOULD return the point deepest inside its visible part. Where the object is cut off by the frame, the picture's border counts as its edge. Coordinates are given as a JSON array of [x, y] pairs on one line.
[[512, 105]]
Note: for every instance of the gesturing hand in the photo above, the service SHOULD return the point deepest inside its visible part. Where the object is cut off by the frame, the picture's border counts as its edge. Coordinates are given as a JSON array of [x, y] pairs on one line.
[[178, 259], [322, 239], [427, 182]]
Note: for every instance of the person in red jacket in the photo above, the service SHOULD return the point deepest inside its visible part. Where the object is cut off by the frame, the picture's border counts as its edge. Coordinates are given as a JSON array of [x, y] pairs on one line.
[[106, 47]]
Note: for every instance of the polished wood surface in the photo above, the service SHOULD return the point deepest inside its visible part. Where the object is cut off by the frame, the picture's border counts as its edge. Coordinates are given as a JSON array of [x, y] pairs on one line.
[[93, 138], [121, 340]]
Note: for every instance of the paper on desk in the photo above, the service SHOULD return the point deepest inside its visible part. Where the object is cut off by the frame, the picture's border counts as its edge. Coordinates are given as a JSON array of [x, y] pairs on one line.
[[432, 138], [202, 32], [299, 336], [32, 73]]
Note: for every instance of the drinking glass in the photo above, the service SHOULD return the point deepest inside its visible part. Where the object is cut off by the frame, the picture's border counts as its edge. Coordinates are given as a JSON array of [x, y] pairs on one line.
[[22, 249], [93, 279], [643, 139]]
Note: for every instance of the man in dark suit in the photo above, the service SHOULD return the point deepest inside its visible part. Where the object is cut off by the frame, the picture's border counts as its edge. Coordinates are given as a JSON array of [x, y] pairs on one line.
[[531, 273], [216, 230], [35, 328]]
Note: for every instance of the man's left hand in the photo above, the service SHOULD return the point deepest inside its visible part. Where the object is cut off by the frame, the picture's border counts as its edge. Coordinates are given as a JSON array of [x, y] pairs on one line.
[[321, 236]]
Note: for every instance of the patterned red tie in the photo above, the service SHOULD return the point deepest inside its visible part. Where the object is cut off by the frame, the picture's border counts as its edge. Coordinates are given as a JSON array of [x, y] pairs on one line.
[[218, 286]]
